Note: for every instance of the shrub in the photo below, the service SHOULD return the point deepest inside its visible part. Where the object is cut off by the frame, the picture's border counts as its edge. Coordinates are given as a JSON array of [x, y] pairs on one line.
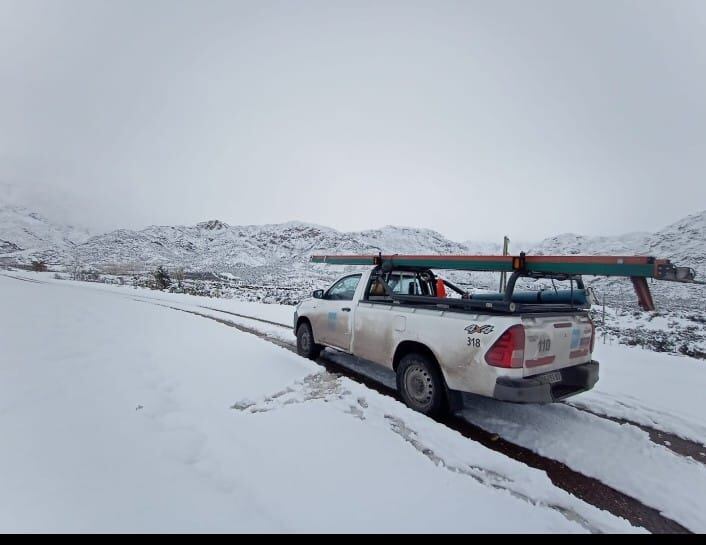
[[161, 278], [39, 266]]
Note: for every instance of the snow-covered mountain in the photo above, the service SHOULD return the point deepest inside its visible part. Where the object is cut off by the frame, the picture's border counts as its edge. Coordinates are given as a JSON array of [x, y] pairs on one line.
[[478, 247], [573, 244], [24, 232], [215, 245], [683, 242]]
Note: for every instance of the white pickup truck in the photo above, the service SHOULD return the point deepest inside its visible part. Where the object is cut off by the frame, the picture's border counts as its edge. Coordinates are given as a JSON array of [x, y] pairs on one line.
[[531, 347]]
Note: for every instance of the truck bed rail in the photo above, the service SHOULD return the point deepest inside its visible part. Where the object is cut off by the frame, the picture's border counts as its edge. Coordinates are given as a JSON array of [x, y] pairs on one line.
[[471, 305]]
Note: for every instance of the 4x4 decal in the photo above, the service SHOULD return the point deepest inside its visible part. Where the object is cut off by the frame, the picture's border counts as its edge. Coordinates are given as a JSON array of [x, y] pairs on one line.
[[477, 328]]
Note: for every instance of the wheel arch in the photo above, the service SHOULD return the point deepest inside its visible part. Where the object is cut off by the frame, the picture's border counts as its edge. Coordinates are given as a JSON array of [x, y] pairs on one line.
[[305, 320], [300, 321], [453, 399], [416, 347]]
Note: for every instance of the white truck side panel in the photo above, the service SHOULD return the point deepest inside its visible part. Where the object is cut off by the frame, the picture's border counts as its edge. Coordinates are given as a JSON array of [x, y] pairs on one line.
[[380, 328]]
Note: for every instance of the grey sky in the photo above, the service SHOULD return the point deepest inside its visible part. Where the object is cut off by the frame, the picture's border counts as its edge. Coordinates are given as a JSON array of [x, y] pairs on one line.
[[473, 118]]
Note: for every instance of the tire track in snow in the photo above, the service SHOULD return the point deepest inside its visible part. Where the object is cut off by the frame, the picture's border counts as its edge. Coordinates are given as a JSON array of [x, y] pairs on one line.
[[676, 444], [247, 317], [586, 488], [327, 386], [31, 280]]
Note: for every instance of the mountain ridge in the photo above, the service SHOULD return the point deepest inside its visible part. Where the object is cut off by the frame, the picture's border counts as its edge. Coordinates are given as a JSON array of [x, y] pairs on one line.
[[216, 245]]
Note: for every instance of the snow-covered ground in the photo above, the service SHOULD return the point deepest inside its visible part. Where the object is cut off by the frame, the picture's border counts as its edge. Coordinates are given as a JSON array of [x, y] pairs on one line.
[[118, 415], [160, 345]]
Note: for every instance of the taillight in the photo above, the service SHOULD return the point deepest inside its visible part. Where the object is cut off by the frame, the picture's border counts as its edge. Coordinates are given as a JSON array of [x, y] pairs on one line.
[[509, 350]]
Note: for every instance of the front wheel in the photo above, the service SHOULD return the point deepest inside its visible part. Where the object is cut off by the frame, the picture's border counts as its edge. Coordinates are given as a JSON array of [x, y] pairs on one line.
[[306, 347], [421, 385]]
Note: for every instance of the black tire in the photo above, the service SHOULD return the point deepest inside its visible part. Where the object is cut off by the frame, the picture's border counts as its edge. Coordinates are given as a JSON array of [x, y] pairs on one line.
[[306, 347], [421, 385]]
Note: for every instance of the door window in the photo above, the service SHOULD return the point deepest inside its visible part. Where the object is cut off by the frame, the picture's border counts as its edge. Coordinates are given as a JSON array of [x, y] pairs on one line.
[[344, 289]]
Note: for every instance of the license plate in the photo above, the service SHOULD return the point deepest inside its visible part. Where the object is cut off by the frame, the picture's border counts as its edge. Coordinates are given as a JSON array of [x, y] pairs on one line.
[[552, 378]]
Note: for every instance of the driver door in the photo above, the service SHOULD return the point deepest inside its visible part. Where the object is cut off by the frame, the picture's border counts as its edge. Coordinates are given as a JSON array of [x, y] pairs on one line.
[[333, 325]]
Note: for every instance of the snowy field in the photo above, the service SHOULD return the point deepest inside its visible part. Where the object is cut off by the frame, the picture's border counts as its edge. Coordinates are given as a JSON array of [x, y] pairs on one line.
[[121, 414]]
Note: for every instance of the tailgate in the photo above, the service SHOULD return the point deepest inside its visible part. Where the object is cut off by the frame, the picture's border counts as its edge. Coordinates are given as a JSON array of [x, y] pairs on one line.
[[556, 341]]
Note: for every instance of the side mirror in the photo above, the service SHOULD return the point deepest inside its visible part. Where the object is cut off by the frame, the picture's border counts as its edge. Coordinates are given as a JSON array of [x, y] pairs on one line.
[[318, 294]]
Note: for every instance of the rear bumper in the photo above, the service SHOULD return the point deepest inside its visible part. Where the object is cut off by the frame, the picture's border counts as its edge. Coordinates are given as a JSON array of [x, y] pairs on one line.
[[538, 389]]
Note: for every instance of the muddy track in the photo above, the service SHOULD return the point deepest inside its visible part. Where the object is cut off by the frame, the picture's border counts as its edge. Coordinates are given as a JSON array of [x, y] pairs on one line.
[[31, 280], [586, 488], [676, 444], [248, 317]]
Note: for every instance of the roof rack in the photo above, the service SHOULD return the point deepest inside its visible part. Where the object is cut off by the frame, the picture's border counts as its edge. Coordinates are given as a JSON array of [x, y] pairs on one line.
[[637, 268]]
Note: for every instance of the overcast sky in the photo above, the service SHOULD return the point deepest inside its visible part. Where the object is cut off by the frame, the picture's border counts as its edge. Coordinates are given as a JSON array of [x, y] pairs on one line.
[[476, 119]]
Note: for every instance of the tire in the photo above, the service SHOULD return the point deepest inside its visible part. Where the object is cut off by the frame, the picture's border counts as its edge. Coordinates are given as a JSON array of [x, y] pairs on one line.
[[306, 347], [421, 385]]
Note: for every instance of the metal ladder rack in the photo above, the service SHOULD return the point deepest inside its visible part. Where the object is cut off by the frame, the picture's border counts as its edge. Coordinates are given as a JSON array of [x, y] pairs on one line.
[[637, 268]]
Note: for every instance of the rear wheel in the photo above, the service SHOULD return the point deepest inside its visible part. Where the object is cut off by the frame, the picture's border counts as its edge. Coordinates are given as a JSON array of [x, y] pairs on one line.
[[306, 346], [421, 385]]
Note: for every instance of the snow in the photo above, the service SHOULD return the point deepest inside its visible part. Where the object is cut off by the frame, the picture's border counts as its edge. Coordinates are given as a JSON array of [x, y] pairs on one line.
[[575, 244], [210, 246], [632, 383], [74, 357], [655, 389], [119, 415], [271, 262], [662, 391], [23, 229], [683, 241], [619, 455]]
